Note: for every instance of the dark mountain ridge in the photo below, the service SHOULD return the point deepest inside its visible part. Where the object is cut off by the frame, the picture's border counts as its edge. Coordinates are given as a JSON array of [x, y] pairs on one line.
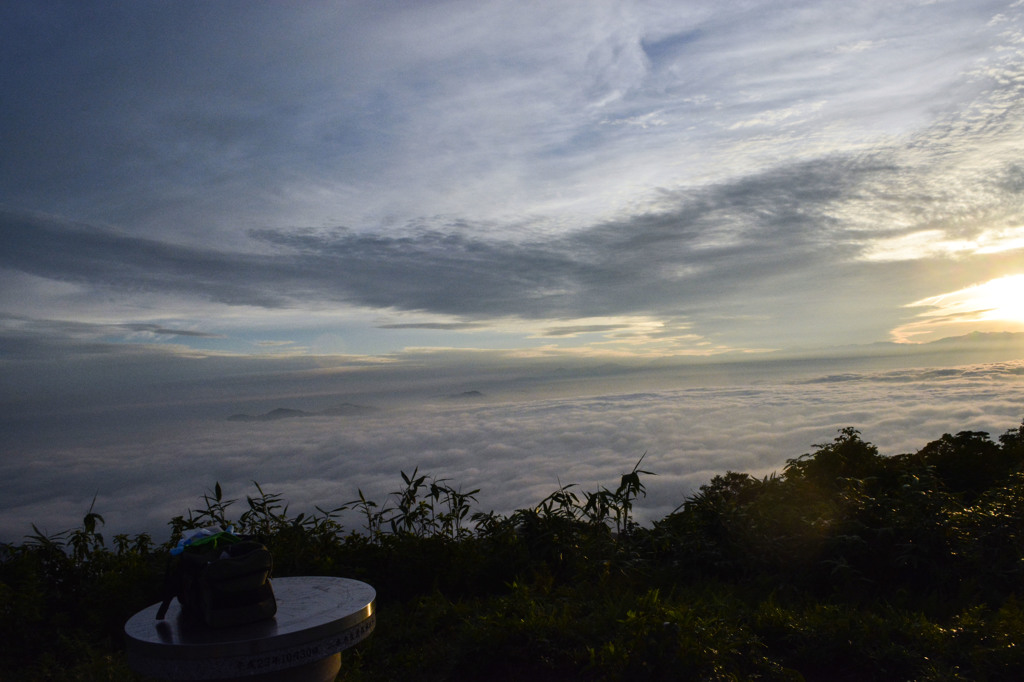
[[343, 410]]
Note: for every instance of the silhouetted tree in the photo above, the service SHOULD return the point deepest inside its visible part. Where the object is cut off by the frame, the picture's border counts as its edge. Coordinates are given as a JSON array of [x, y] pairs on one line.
[[847, 456], [967, 463]]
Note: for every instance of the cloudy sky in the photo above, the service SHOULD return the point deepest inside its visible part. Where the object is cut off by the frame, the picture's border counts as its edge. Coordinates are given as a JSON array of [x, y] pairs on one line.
[[197, 195]]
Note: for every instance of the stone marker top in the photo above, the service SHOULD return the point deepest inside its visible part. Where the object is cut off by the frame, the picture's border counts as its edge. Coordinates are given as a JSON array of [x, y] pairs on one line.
[[316, 617]]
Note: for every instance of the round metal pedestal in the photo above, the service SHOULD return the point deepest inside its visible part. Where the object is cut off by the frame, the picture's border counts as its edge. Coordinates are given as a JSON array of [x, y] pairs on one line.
[[317, 618]]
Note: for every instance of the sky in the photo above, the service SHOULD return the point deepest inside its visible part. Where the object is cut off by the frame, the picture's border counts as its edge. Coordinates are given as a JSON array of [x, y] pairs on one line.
[[209, 208]]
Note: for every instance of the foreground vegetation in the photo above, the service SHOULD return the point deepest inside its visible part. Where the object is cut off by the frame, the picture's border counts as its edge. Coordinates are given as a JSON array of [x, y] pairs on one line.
[[846, 566]]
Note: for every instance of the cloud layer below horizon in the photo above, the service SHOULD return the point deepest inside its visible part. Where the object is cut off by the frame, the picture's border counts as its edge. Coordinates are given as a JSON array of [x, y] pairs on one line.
[[208, 208], [515, 450]]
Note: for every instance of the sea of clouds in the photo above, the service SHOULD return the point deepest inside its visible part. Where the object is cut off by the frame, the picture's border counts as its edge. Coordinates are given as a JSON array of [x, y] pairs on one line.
[[515, 450]]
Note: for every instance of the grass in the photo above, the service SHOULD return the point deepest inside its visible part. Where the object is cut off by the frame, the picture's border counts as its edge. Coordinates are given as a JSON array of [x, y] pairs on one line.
[[847, 566]]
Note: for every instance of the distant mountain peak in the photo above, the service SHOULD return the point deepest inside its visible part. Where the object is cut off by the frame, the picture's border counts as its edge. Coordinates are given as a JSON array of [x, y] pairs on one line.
[[278, 413], [466, 395], [342, 410], [981, 337]]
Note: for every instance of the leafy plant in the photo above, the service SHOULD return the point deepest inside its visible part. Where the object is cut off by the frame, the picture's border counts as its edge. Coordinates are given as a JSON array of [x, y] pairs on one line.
[[848, 565]]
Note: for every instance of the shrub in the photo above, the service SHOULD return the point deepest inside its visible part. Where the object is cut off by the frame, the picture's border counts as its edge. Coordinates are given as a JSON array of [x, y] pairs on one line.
[[849, 565]]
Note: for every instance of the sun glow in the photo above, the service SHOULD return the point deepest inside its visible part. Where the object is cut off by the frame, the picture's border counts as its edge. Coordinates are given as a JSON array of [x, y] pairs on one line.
[[1005, 296], [935, 244], [994, 306]]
